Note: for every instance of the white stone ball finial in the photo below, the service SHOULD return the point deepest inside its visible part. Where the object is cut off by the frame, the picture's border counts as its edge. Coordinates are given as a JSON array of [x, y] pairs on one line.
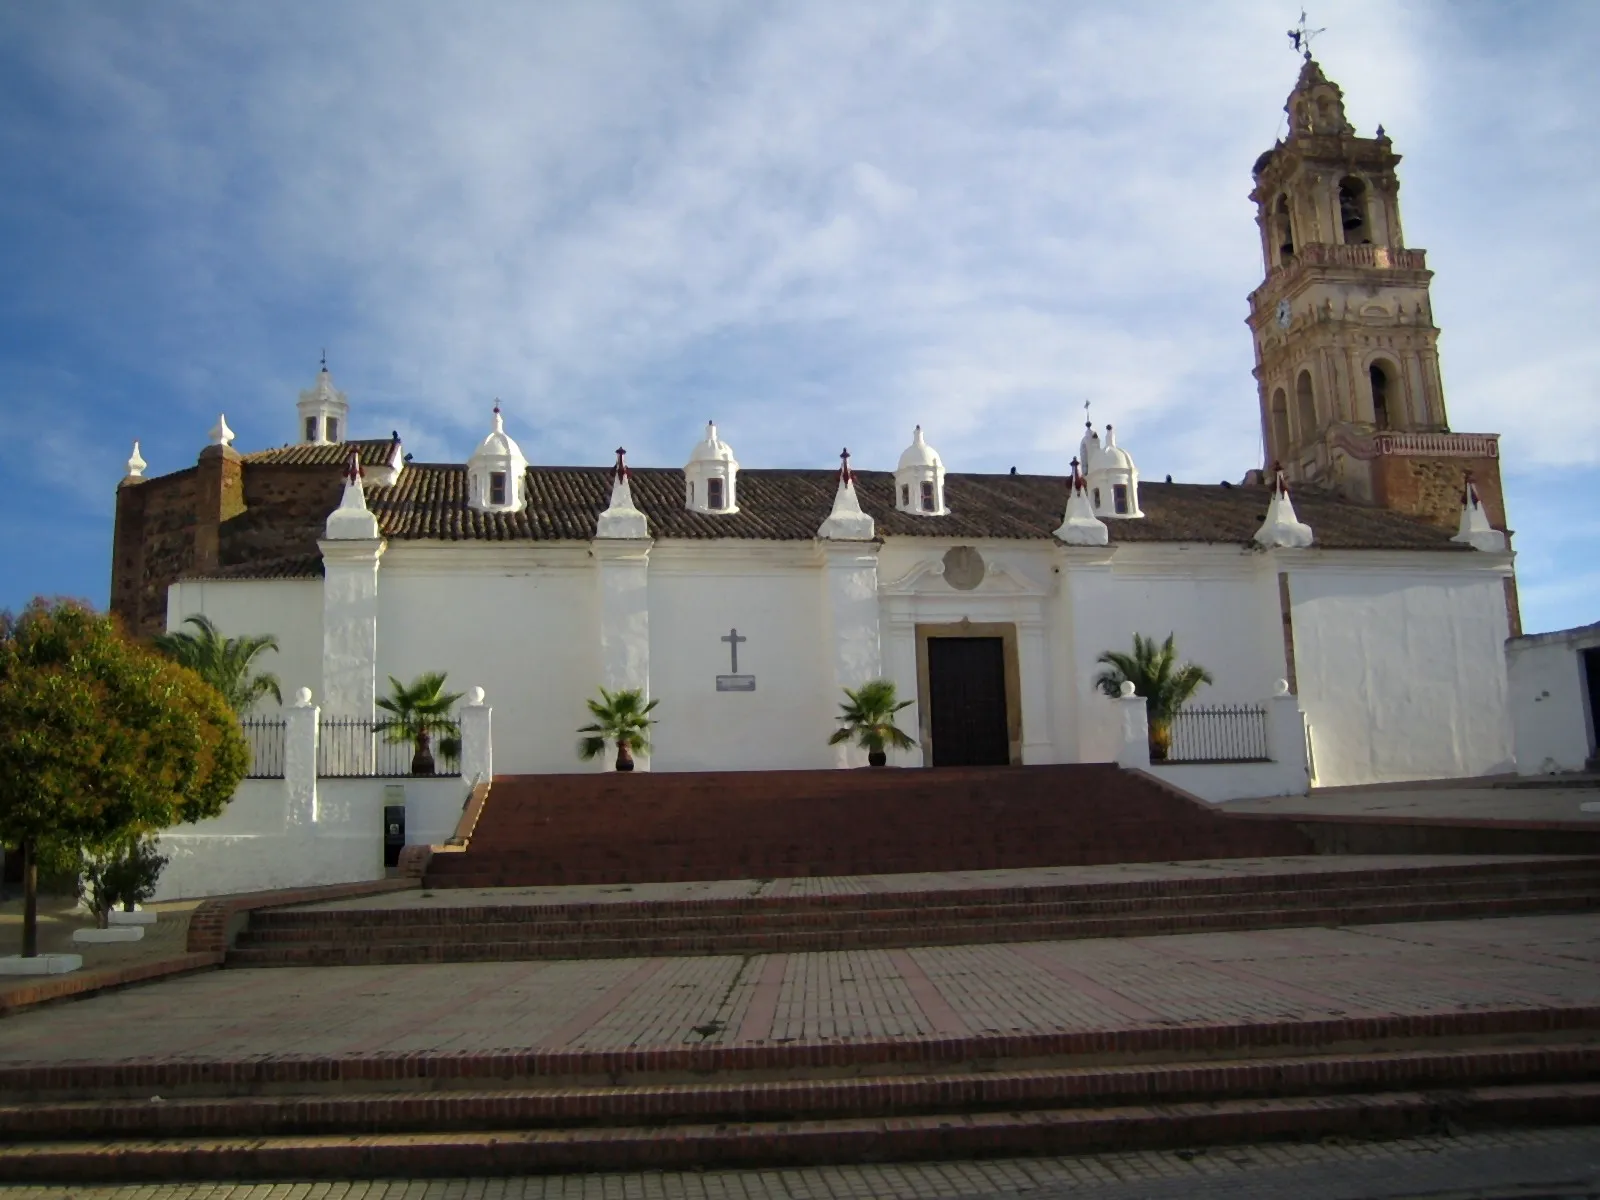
[[302, 698], [136, 463], [1127, 689], [475, 696], [221, 435], [1280, 688]]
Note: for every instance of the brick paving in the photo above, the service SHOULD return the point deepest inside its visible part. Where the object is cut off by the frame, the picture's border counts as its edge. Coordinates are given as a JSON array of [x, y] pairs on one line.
[[666, 1003], [1556, 1164]]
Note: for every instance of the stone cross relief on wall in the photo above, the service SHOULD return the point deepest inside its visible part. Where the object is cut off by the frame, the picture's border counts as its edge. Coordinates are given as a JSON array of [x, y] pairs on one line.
[[735, 682]]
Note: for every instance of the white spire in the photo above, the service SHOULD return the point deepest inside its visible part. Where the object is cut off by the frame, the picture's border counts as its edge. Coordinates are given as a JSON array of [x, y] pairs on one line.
[[1475, 529], [1282, 527], [324, 410], [220, 434], [351, 520], [919, 479], [711, 476], [847, 523], [622, 519], [1080, 527], [136, 463]]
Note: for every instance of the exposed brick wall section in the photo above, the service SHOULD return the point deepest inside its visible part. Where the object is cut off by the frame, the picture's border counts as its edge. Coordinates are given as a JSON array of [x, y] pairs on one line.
[[214, 923], [1431, 488], [152, 546], [619, 828], [219, 497]]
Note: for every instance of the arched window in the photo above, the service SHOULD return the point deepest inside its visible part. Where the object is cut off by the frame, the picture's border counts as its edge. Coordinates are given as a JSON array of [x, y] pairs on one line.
[[1353, 211], [1384, 397], [1280, 425], [1283, 230], [1305, 406]]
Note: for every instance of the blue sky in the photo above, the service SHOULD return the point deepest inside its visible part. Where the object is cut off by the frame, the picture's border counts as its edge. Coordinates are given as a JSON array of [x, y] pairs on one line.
[[817, 222]]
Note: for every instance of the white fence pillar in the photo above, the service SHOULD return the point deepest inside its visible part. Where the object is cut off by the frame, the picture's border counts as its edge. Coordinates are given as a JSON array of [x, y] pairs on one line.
[[477, 740], [300, 722], [1134, 753], [852, 623], [1286, 738]]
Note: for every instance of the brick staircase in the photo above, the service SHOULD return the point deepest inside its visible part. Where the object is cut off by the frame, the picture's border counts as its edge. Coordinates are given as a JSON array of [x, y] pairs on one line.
[[1296, 895], [611, 828], [416, 1114]]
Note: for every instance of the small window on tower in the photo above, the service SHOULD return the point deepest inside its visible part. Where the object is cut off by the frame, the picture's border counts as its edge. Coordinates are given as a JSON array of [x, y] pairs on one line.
[[497, 487], [714, 493], [927, 496], [905, 495], [1380, 395], [311, 429], [1284, 229], [1097, 498], [1353, 211], [1119, 498], [333, 429]]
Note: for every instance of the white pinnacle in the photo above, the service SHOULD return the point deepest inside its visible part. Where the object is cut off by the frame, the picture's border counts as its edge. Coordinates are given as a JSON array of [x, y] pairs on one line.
[[136, 463], [221, 435], [1282, 527]]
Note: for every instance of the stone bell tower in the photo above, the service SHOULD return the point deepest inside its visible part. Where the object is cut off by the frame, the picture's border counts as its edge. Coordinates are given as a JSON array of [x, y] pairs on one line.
[[1347, 358]]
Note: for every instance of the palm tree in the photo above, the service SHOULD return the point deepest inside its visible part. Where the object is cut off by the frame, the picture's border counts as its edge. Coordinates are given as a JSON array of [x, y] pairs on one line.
[[867, 719], [1156, 675], [224, 663], [623, 718], [419, 710]]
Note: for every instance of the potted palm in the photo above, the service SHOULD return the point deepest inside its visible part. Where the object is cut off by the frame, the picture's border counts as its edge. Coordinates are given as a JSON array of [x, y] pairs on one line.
[[866, 718], [621, 718], [419, 711], [1156, 674], [227, 664]]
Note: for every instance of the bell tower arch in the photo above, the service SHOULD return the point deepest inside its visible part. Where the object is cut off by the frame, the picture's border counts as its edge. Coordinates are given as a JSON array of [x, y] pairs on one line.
[[1347, 354]]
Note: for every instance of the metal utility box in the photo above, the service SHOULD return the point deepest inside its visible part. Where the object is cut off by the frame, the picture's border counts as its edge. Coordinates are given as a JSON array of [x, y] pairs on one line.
[[394, 823]]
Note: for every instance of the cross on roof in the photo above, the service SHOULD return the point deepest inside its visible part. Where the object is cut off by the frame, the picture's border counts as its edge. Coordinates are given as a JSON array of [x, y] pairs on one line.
[[1300, 36]]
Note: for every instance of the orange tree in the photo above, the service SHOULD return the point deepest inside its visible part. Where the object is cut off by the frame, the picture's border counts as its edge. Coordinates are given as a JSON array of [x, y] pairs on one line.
[[101, 739]]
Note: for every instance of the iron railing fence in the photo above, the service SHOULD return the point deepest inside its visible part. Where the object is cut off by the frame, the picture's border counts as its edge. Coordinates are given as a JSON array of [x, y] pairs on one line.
[[265, 736], [349, 747], [1219, 733]]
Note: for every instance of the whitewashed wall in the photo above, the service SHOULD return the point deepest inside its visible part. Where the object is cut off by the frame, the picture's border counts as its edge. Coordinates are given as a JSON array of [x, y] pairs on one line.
[[1549, 699], [1401, 666], [289, 609], [519, 622], [774, 596], [255, 845]]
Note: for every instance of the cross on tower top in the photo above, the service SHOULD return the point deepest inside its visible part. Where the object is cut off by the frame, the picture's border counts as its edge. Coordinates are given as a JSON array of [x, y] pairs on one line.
[[1300, 36]]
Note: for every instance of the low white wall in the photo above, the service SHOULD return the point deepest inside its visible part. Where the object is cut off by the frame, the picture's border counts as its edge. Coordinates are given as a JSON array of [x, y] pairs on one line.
[[1217, 782], [1549, 700], [254, 846]]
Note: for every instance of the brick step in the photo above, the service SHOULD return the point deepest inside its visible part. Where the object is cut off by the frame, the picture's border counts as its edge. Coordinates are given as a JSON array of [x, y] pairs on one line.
[[781, 915], [439, 1072], [768, 1144], [453, 948], [802, 1099]]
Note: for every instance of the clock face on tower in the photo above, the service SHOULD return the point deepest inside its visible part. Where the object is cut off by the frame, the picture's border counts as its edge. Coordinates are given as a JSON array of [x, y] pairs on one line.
[[1285, 313]]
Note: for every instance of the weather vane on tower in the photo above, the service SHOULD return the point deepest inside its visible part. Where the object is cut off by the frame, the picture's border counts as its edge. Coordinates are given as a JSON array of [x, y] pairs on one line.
[[1301, 36]]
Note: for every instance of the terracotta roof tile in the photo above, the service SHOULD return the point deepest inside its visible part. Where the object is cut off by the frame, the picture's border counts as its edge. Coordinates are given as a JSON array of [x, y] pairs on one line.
[[429, 502], [375, 452]]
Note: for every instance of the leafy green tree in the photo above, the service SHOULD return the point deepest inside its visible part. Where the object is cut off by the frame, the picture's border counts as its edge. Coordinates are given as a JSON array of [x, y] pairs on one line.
[[866, 718], [101, 738], [1156, 674], [225, 663], [418, 712], [621, 718]]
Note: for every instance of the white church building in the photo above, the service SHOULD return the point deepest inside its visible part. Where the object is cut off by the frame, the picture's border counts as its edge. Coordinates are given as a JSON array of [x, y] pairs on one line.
[[745, 599]]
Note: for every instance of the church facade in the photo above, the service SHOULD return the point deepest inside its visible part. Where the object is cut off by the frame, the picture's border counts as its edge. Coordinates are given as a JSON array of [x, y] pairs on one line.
[[1371, 573]]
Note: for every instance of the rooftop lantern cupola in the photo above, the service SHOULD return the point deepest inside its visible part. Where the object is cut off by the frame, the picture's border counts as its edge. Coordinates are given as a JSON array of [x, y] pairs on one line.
[[497, 473], [324, 411], [1111, 475], [919, 479], [711, 478]]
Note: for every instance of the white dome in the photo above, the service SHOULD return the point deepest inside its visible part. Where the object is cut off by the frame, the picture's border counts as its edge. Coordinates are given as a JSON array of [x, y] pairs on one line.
[[499, 443], [1112, 456], [713, 448], [919, 453], [1089, 449]]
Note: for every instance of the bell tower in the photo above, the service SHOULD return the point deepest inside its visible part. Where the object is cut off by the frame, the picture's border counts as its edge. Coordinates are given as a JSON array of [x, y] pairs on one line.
[[1347, 359]]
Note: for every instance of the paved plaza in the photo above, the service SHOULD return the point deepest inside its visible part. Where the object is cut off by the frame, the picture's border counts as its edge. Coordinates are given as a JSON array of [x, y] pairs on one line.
[[609, 1004], [1553, 1164]]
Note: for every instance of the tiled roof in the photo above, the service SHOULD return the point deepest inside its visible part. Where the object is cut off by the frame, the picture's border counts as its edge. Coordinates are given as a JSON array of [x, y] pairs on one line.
[[429, 502], [375, 452]]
